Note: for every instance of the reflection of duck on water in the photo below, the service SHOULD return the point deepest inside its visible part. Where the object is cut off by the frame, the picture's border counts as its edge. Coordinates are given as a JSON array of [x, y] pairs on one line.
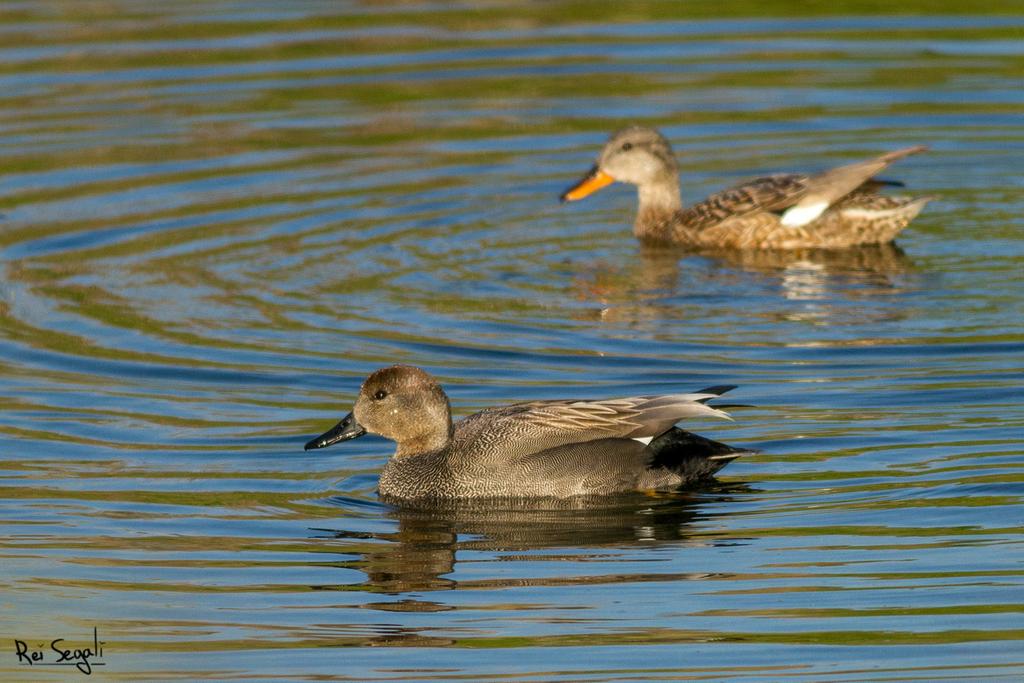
[[834, 209], [422, 553], [646, 288]]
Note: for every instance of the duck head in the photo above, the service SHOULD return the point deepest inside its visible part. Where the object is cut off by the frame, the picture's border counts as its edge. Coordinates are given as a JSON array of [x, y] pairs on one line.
[[638, 155], [401, 403]]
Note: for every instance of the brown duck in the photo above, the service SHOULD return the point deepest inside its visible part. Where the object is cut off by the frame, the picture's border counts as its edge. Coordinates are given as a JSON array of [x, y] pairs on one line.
[[833, 209], [556, 449]]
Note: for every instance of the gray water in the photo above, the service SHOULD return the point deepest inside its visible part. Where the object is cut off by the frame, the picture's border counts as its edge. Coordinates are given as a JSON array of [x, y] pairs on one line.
[[218, 217]]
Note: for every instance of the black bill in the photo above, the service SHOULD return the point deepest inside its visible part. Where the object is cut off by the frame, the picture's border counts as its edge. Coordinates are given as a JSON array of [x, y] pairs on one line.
[[347, 429]]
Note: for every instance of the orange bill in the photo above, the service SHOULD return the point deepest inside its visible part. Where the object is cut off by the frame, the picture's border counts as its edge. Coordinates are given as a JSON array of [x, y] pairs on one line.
[[591, 183]]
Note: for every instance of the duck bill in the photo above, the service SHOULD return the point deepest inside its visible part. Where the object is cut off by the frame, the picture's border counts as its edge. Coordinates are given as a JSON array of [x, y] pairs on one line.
[[588, 185], [347, 429]]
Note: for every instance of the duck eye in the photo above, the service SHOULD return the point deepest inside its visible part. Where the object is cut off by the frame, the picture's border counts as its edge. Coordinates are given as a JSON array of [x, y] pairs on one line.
[[626, 146], [380, 395]]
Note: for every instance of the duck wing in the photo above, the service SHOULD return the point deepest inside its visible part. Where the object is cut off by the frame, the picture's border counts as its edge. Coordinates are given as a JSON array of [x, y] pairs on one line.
[[523, 429], [801, 198], [770, 193], [825, 189]]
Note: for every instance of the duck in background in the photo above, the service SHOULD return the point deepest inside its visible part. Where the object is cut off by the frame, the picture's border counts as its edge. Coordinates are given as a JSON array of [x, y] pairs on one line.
[[837, 208]]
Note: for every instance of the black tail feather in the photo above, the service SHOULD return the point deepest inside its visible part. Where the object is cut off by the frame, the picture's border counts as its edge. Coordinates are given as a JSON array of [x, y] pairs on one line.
[[717, 390], [691, 455]]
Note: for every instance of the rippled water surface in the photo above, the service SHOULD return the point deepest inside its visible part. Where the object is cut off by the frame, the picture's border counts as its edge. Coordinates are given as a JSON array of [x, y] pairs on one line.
[[218, 217]]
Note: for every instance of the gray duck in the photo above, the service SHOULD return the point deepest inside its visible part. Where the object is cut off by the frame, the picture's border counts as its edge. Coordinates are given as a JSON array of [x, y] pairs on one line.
[[556, 449]]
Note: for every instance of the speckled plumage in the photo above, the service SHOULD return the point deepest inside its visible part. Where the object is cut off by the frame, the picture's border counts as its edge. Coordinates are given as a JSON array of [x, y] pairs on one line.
[[833, 209], [535, 449]]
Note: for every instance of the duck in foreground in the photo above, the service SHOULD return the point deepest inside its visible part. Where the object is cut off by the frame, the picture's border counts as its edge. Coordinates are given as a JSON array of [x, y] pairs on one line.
[[833, 209], [536, 449]]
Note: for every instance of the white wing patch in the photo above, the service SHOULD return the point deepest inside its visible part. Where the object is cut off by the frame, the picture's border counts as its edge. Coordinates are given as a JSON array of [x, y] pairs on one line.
[[803, 214], [645, 440]]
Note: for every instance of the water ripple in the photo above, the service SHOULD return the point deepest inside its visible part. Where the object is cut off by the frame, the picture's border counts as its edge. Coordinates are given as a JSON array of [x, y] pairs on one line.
[[216, 218]]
